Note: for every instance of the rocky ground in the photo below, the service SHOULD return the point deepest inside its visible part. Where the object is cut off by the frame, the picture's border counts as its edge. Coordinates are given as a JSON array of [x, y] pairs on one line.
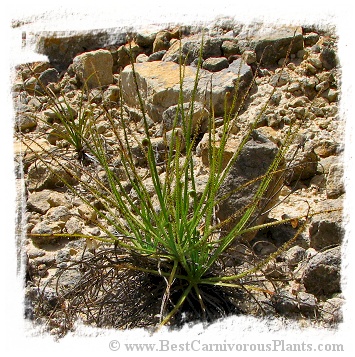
[[306, 87]]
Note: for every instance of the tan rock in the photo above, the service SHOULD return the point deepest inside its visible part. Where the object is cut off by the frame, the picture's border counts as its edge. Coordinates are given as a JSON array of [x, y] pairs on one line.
[[94, 68]]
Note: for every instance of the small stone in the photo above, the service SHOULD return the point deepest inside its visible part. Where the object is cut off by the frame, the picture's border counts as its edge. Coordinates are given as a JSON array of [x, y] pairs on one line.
[[34, 252], [310, 39], [25, 121], [322, 86], [249, 57], [326, 229], [41, 67], [332, 95], [279, 80], [294, 255], [322, 273], [328, 58], [284, 302], [47, 229], [142, 58], [230, 48], [58, 214], [156, 56], [87, 213], [325, 148], [40, 177], [215, 64], [310, 70], [63, 256], [294, 86], [30, 85], [74, 225], [307, 302], [112, 94], [57, 199], [302, 163], [162, 41], [38, 202], [331, 311], [50, 75], [145, 38], [299, 102], [315, 62], [335, 181]]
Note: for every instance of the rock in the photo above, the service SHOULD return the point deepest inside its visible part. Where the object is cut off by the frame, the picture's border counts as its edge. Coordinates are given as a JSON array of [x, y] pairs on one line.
[[325, 163], [310, 39], [145, 38], [94, 68], [200, 117], [160, 85], [40, 67], [275, 270], [25, 121], [328, 58], [303, 163], [215, 64], [249, 57], [87, 213], [123, 58], [142, 58], [284, 302], [50, 75], [230, 48], [280, 79], [326, 147], [171, 140], [331, 311], [335, 181], [315, 62], [331, 95], [47, 229], [254, 160], [40, 177], [156, 56], [307, 303], [322, 273], [30, 85], [326, 229], [112, 94], [190, 49], [272, 44], [58, 214], [56, 199], [294, 255], [38, 201], [162, 41], [124, 54], [202, 150], [74, 225], [62, 47]]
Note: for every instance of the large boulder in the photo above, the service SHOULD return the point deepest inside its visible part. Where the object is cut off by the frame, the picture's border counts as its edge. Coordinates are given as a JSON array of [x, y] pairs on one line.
[[62, 46], [94, 68], [253, 161], [159, 85], [271, 44]]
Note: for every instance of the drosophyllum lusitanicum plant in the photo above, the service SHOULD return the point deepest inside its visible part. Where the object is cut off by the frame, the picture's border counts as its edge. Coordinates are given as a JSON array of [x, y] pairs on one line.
[[163, 257]]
